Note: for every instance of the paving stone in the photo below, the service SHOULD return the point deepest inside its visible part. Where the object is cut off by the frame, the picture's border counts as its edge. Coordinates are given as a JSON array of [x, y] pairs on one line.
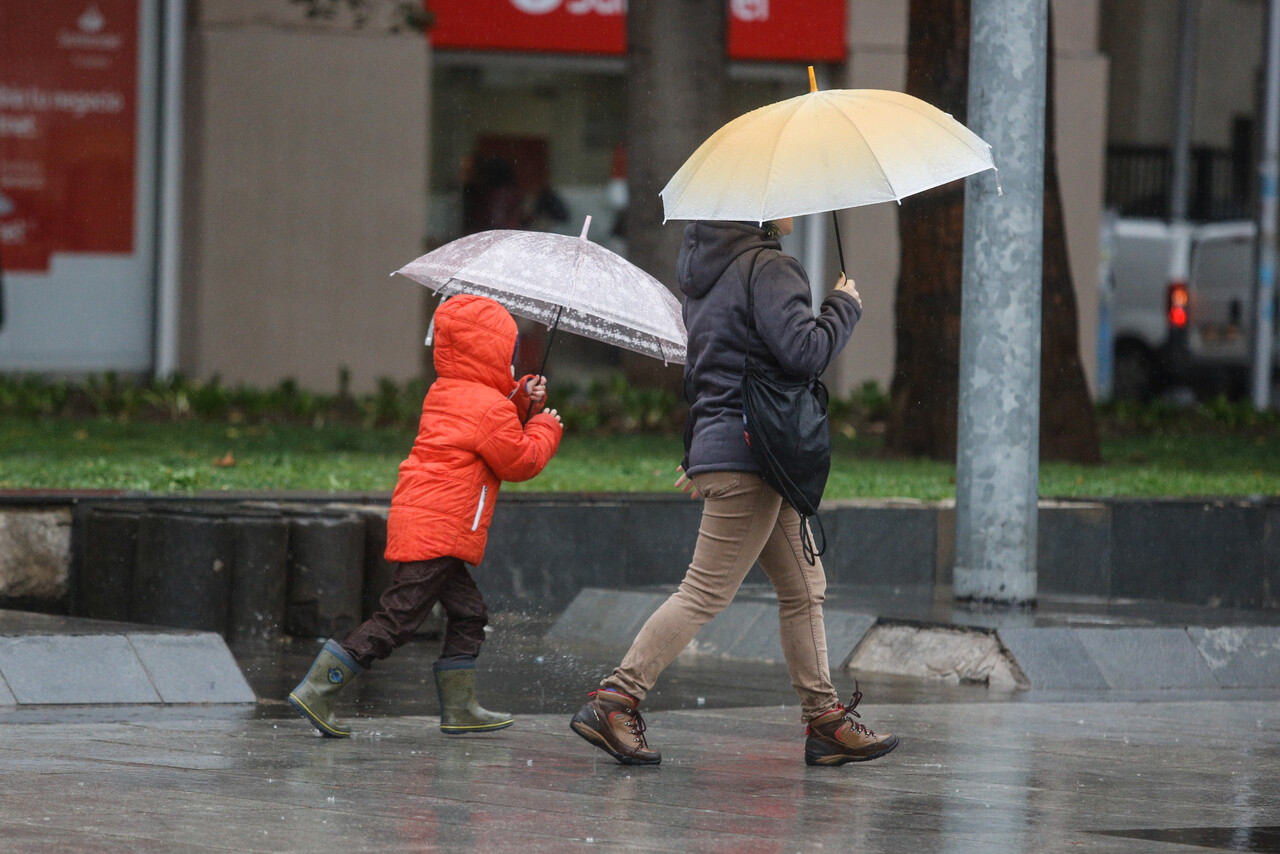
[[1147, 658], [1271, 553], [1189, 551], [762, 642], [844, 632], [1053, 659], [947, 653], [192, 668], [1240, 656], [80, 669], [880, 543], [1073, 553], [731, 626], [657, 538], [606, 617], [6, 696], [542, 554]]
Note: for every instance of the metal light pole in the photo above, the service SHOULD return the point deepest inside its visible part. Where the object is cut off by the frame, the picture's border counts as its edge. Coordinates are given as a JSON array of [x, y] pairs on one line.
[[1180, 181], [997, 460], [1264, 324]]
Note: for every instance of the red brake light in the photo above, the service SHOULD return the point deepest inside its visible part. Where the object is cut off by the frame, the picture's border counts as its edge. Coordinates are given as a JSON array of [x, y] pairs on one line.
[[1177, 305]]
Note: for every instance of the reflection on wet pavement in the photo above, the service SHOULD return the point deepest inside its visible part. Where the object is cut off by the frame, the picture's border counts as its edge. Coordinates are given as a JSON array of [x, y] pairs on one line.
[[969, 777], [977, 771]]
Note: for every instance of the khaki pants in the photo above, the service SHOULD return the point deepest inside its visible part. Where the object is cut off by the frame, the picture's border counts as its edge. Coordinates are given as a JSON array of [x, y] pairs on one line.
[[743, 521]]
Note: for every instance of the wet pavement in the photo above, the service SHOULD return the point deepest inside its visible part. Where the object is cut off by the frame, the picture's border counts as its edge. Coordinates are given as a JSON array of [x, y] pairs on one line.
[[978, 770]]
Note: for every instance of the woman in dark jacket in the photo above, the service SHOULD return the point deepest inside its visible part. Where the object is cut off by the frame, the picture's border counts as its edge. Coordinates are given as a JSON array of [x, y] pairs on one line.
[[743, 519]]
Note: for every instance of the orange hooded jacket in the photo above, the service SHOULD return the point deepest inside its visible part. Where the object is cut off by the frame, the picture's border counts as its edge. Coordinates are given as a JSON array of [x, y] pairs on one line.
[[470, 438]]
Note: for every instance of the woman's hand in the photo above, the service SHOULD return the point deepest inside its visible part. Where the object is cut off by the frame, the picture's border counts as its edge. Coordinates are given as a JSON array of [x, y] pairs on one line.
[[536, 388], [684, 484], [847, 285]]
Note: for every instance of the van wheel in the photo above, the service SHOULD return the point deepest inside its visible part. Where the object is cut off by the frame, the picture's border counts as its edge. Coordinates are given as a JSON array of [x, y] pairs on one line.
[[1134, 374]]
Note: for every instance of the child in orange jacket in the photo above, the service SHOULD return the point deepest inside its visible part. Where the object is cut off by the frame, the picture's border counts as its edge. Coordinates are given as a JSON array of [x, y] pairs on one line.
[[473, 435]]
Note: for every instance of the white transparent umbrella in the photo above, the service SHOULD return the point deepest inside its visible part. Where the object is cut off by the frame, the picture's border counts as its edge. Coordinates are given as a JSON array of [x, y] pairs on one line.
[[563, 282], [823, 151]]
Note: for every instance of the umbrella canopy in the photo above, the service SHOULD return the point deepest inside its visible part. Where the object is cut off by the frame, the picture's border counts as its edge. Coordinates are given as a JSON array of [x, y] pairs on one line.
[[823, 151], [563, 281]]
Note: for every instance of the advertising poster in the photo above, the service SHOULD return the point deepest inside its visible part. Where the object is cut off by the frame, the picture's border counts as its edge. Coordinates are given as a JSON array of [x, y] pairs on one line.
[[68, 124]]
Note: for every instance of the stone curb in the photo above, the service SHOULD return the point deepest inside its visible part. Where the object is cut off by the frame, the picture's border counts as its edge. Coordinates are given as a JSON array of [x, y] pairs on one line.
[[55, 661], [1041, 658], [544, 548]]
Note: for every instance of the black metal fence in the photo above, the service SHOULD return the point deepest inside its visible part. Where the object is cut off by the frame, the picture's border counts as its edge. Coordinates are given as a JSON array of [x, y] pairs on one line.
[[1139, 178]]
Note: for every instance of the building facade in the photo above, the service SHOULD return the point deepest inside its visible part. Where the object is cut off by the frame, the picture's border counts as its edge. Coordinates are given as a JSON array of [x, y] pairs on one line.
[[297, 161]]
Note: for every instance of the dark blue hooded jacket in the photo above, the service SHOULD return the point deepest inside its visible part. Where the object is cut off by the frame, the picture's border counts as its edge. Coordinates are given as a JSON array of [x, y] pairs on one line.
[[714, 263]]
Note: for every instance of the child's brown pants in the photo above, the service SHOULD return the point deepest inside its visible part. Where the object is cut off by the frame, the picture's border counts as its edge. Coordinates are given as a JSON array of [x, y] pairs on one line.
[[414, 590]]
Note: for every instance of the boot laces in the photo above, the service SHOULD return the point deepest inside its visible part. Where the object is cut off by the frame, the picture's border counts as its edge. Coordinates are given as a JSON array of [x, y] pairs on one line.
[[850, 713], [635, 722]]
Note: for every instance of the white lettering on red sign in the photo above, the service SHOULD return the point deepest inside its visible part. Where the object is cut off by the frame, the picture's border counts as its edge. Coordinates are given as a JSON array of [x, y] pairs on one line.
[[78, 104], [598, 7], [536, 7], [750, 10], [573, 7]]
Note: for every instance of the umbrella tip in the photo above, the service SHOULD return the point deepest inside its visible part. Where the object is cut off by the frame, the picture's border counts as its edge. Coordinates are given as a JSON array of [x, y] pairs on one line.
[[585, 226], [813, 81]]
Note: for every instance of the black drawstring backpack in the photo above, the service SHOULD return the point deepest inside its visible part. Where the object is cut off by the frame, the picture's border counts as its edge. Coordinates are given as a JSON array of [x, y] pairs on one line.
[[785, 423]]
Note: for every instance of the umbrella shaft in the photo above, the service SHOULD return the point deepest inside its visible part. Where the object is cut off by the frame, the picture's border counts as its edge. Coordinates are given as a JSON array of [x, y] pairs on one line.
[[545, 353], [835, 220], [550, 340]]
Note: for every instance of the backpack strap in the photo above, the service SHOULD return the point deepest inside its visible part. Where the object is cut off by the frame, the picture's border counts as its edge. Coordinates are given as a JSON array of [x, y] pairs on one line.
[[811, 551]]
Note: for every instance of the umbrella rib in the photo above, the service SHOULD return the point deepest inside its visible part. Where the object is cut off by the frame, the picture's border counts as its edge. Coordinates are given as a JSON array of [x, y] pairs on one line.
[[697, 167], [947, 123], [888, 182], [777, 141]]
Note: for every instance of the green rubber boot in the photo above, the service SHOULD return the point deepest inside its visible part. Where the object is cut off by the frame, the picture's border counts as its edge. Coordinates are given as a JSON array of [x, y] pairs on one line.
[[332, 671], [459, 711]]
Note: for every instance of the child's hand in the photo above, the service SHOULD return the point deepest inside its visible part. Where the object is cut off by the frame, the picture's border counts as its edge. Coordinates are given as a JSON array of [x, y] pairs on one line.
[[686, 485], [555, 415], [536, 388]]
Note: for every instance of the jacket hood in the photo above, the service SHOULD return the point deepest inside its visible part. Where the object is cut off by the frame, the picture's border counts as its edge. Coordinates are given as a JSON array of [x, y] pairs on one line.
[[710, 247], [475, 340]]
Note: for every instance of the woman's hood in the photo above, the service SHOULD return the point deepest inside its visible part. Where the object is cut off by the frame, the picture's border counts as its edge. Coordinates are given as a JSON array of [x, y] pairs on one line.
[[710, 247], [475, 340]]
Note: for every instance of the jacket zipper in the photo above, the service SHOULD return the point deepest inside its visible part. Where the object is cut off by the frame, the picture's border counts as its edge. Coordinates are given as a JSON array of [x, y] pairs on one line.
[[484, 490]]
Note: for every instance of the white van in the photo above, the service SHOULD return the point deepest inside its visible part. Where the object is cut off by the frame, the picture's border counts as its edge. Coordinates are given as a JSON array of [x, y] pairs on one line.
[[1182, 310]]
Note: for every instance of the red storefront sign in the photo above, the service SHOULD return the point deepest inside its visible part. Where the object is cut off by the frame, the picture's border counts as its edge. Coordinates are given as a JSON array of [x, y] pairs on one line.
[[68, 83], [797, 30]]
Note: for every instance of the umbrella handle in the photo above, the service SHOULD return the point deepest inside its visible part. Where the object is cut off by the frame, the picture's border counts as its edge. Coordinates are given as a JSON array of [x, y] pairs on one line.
[[551, 339]]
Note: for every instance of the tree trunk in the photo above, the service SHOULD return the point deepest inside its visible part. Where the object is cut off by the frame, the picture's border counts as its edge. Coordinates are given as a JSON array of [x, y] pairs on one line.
[[925, 388], [676, 71], [924, 392]]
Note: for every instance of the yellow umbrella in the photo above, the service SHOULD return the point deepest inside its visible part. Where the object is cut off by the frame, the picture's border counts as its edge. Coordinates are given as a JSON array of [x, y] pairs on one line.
[[823, 151]]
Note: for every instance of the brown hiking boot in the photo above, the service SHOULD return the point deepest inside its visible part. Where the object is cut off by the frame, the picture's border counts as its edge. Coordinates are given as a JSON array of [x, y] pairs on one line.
[[612, 723], [836, 738]]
